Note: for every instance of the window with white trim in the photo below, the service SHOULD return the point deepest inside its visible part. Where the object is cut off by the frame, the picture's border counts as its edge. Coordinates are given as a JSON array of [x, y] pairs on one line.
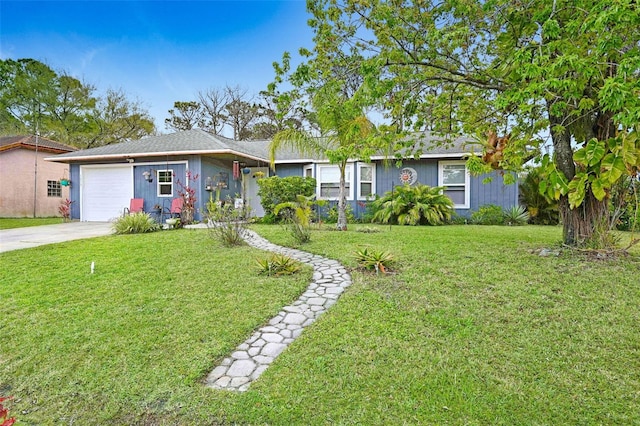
[[366, 180], [453, 175], [54, 189], [328, 181], [165, 183]]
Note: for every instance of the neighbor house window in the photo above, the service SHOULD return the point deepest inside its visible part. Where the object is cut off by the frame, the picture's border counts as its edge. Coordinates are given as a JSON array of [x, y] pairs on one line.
[[328, 181], [366, 180], [454, 177], [165, 183], [54, 189]]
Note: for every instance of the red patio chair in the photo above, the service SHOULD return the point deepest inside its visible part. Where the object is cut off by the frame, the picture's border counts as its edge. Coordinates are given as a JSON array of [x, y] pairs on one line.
[[176, 207], [136, 205]]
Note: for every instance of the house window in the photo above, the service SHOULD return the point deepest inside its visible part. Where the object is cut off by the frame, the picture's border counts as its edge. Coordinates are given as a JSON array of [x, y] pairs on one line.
[[454, 177], [366, 181], [165, 183], [328, 182], [54, 189]]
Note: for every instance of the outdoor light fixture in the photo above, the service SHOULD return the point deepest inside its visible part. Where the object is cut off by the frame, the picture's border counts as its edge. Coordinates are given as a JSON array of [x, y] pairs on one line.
[[147, 176], [208, 186]]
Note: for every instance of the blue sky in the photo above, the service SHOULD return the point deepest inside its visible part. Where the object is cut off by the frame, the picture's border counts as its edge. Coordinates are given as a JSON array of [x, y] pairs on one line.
[[157, 52]]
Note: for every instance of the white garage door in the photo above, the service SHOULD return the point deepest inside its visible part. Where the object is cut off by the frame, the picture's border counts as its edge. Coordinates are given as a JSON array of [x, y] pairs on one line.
[[105, 192]]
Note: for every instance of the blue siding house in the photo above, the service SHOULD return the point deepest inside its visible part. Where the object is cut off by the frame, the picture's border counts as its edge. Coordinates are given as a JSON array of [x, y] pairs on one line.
[[156, 168]]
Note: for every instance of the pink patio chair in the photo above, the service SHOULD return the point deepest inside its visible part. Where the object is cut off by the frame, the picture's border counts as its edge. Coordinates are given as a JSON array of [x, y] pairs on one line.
[[136, 205]]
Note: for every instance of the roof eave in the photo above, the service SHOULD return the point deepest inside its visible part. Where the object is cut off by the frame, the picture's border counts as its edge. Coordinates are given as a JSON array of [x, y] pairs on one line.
[[151, 154]]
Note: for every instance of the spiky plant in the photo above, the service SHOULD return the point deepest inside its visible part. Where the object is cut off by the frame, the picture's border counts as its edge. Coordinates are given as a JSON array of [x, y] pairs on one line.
[[380, 261], [516, 215], [135, 223], [413, 205], [278, 264]]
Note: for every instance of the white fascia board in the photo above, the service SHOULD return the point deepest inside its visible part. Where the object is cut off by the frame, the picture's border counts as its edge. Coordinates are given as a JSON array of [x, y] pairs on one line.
[[428, 156]]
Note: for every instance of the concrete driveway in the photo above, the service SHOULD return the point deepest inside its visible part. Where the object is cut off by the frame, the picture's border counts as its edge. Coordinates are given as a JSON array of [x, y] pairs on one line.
[[20, 238]]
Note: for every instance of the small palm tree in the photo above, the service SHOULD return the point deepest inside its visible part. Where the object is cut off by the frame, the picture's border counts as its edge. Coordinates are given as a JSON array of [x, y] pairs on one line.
[[413, 205], [542, 210], [301, 209], [300, 220]]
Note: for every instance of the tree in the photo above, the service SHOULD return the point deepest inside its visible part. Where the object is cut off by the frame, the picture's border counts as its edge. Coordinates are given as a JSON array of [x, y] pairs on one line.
[[213, 102], [345, 132], [565, 68], [115, 119], [185, 116], [33, 97]]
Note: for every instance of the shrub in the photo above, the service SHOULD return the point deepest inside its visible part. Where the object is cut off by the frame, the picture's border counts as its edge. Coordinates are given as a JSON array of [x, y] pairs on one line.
[[542, 210], [332, 214], [135, 223], [624, 203], [380, 261], [489, 214], [368, 230], [65, 209], [277, 265], [276, 190], [413, 205], [188, 194], [516, 215], [226, 223]]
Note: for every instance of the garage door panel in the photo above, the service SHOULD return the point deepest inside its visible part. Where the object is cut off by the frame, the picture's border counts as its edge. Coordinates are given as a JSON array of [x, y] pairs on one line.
[[106, 191]]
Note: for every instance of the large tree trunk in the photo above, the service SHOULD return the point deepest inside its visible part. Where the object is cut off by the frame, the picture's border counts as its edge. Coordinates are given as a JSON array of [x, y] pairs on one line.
[[586, 224], [342, 200]]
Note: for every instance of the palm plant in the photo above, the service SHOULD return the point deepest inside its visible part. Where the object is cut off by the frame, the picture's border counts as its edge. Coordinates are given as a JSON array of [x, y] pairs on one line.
[[542, 210], [300, 219], [413, 205], [340, 130]]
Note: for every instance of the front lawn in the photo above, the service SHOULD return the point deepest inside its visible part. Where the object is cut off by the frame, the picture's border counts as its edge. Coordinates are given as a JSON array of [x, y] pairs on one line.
[[473, 328]]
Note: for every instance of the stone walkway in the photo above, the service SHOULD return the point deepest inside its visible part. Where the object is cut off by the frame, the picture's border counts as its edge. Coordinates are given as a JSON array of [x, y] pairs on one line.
[[251, 358]]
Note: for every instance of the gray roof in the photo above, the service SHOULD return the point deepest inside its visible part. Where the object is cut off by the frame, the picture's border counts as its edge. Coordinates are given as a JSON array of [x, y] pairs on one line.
[[196, 141]]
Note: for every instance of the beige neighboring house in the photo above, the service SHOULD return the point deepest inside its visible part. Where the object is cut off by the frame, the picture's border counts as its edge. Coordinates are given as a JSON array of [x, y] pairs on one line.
[[29, 185]]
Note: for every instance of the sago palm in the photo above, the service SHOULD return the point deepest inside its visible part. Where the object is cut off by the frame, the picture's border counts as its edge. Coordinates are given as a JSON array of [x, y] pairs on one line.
[[413, 205]]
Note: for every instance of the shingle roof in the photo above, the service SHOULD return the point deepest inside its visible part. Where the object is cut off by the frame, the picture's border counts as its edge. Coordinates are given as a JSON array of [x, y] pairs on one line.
[[198, 141], [29, 142]]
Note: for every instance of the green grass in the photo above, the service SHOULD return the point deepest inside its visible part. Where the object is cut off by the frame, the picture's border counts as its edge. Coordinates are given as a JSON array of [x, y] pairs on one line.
[[472, 329], [22, 222]]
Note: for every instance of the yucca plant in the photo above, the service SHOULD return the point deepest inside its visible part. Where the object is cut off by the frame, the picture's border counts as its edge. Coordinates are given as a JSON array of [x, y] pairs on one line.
[[413, 205], [278, 264], [380, 261], [135, 223], [516, 215], [226, 223]]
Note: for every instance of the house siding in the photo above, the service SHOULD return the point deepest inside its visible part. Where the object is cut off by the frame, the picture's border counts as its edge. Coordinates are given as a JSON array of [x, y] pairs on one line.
[[17, 177], [287, 170], [387, 177]]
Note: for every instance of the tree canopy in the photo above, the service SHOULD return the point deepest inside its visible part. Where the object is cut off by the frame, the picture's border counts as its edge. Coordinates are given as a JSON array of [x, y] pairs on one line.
[[568, 71], [33, 97]]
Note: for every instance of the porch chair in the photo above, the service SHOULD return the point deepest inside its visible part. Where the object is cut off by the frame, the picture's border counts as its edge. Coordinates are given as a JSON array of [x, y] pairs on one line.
[[136, 205], [176, 207]]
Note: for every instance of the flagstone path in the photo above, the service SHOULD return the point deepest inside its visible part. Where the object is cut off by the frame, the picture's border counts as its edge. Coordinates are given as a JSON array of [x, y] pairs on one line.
[[251, 358]]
